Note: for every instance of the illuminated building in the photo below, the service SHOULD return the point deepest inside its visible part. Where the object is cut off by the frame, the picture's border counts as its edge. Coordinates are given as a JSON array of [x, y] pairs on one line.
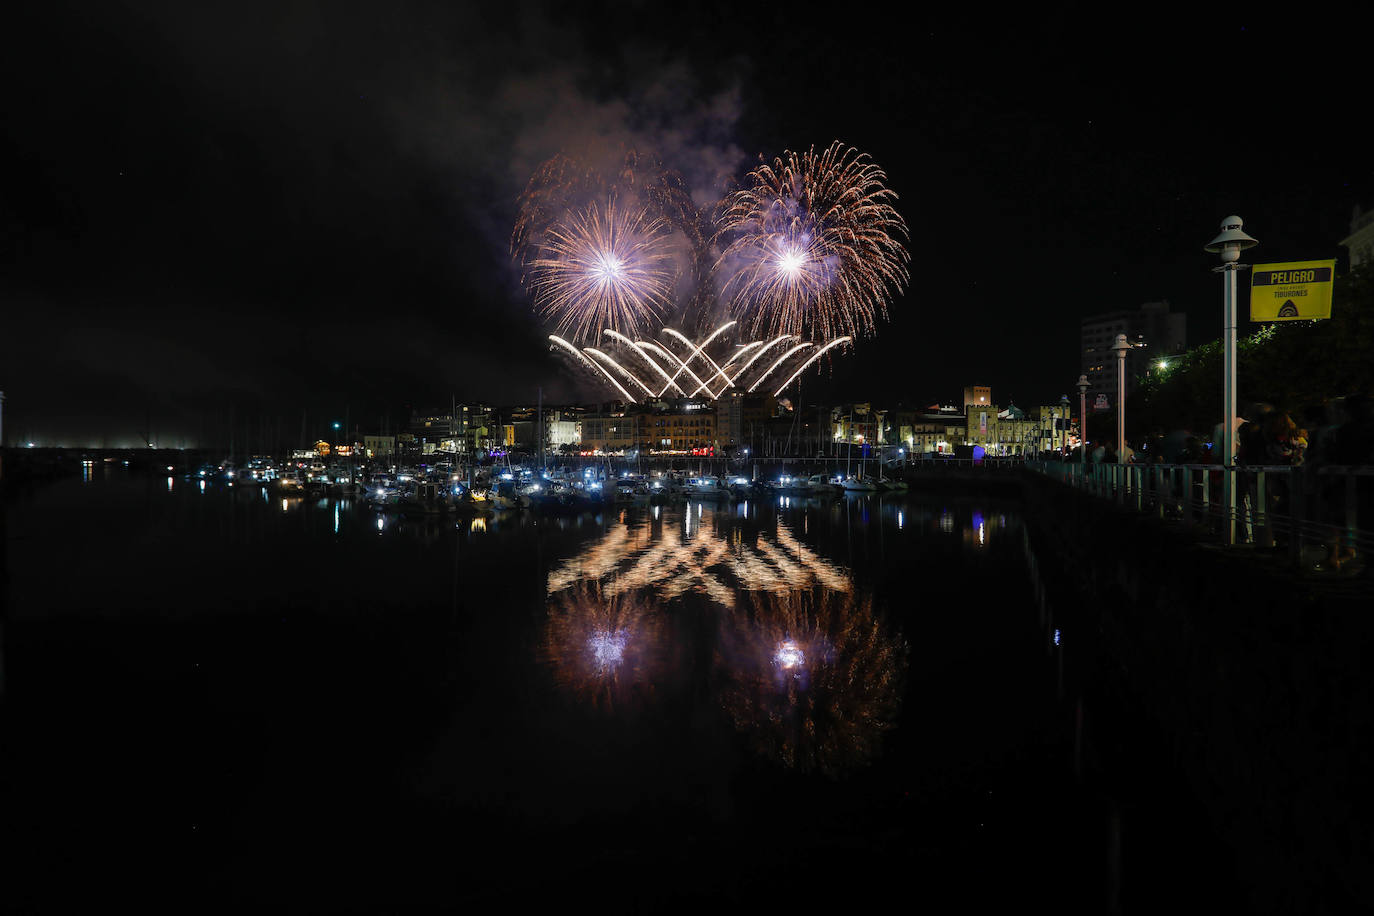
[[933, 431], [1153, 332], [682, 424], [380, 446], [858, 424], [977, 396], [1360, 241], [1013, 431], [614, 429]]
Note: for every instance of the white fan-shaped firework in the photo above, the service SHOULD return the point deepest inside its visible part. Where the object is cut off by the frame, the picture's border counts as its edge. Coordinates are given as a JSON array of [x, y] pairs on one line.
[[676, 366]]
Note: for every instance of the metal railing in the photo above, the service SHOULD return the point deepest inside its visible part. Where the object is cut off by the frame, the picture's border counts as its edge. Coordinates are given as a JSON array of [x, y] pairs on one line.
[[1317, 509]]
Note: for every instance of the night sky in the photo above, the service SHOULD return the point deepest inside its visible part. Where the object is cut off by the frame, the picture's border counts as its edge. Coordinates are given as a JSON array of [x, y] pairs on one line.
[[295, 210]]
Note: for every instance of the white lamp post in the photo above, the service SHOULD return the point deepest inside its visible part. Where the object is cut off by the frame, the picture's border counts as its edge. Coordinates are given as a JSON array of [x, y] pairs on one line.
[[1122, 347], [1083, 423], [1229, 244]]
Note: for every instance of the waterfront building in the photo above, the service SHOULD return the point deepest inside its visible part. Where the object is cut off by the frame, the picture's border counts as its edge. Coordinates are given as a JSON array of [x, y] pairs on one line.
[[982, 426], [381, 447], [1014, 431], [431, 423], [461, 429], [561, 429], [614, 429], [682, 424], [1055, 427], [742, 420], [858, 424], [1153, 331], [1360, 241], [932, 431]]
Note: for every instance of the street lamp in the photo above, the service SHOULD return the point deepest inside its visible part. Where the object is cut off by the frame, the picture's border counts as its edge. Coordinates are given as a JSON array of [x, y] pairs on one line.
[[1122, 347], [1229, 244], [1083, 422]]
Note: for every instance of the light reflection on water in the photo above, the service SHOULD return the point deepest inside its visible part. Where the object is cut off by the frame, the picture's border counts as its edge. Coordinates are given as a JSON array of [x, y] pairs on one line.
[[812, 679], [500, 663], [802, 667], [703, 560]]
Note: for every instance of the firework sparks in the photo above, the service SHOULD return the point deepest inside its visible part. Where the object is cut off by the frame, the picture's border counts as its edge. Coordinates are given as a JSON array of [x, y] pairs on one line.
[[692, 369], [642, 351], [838, 341], [603, 267], [814, 246], [591, 362], [778, 362]]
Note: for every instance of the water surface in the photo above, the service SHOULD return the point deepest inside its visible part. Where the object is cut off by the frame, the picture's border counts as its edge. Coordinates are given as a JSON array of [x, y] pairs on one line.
[[223, 695]]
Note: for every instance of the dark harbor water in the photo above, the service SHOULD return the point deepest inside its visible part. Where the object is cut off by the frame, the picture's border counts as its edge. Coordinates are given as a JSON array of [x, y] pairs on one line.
[[223, 697]]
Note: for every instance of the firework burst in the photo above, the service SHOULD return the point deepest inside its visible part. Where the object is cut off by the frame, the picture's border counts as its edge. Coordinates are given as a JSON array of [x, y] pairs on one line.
[[603, 268], [562, 243], [813, 246]]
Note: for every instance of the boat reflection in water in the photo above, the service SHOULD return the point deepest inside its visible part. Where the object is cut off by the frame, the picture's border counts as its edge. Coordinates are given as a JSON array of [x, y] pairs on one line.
[[802, 666]]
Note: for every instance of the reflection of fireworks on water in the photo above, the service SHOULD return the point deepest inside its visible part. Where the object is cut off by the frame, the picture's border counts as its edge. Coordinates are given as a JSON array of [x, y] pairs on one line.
[[600, 647], [789, 655], [608, 649], [704, 561], [813, 245], [602, 267], [676, 366], [811, 677]]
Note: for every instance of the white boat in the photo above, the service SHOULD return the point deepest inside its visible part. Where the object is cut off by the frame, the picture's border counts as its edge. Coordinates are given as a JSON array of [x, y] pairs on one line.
[[421, 497], [820, 485], [381, 494], [291, 481], [708, 488], [857, 485], [507, 495], [257, 472], [740, 487], [631, 489], [668, 486]]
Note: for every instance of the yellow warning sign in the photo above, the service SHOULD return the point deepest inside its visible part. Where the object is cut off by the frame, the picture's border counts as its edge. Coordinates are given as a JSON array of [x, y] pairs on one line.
[[1296, 291]]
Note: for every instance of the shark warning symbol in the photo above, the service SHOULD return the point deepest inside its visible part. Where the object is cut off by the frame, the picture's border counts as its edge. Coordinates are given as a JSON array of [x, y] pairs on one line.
[[1288, 310]]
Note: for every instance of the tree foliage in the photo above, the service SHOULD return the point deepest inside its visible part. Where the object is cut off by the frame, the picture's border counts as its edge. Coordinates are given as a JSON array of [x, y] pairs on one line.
[[1296, 366]]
